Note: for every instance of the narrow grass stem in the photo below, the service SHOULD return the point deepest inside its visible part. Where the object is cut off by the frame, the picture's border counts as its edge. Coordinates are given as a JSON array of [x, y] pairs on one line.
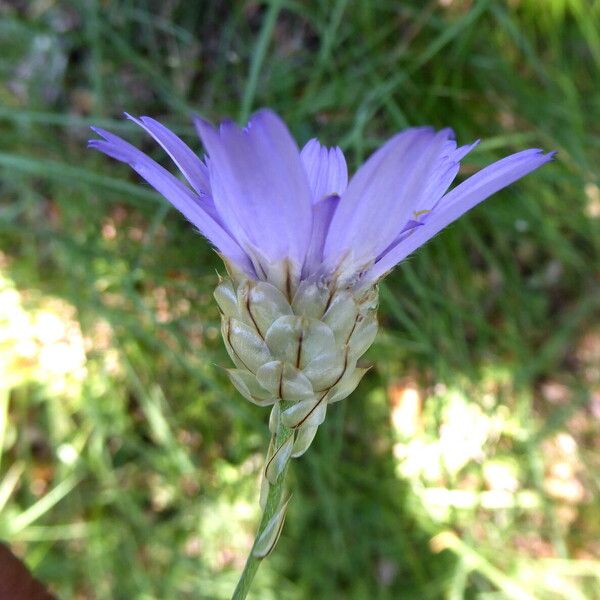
[[272, 505]]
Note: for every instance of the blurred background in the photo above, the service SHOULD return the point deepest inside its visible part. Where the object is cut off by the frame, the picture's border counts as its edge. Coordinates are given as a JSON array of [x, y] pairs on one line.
[[467, 463]]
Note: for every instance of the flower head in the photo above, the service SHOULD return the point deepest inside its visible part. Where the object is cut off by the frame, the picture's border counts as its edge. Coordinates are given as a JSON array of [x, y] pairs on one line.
[[305, 249], [283, 215]]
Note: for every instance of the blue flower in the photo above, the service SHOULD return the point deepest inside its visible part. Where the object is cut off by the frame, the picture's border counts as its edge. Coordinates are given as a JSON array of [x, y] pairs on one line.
[[269, 208]]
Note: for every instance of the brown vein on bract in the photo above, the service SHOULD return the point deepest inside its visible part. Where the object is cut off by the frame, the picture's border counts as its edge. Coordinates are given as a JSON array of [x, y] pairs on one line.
[[274, 455], [329, 299], [252, 316], [353, 328], [344, 369], [279, 530], [277, 536], [325, 392], [312, 410], [233, 348], [288, 283], [280, 390], [299, 354]]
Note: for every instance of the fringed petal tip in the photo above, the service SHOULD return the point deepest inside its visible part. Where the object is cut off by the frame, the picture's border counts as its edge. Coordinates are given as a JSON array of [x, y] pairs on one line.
[[98, 131], [461, 152], [325, 168], [196, 206], [385, 191], [111, 147], [201, 125], [457, 202]]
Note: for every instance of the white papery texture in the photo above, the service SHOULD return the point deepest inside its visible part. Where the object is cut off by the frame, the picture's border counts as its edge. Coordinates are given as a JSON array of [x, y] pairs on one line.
[[297, 353]]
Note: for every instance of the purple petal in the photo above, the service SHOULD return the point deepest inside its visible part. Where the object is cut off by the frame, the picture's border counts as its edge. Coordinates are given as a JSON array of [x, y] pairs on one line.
[[412, 224], [326, 169], [193, 169], [434, 188], [259, 186], [440, 179], [458, 201], [323, 212], [406, 231], [461, 152], [192, 206], [382, 196]]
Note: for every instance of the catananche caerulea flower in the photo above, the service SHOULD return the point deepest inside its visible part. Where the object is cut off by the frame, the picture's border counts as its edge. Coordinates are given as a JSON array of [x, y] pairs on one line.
[[264, 204], [305, 246]]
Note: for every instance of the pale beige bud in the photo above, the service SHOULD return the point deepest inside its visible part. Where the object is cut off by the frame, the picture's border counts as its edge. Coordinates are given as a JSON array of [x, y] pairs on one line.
[[298, 354]]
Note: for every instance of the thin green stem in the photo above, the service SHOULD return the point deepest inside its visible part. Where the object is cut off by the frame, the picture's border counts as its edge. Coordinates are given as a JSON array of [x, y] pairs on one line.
[[273, 504]]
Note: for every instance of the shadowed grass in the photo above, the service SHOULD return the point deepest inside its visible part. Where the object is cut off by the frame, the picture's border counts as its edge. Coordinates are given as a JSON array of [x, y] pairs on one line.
[[464, 466]]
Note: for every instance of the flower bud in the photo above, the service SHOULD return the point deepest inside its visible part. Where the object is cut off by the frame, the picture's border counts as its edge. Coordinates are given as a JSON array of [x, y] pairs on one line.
[[298, 356]]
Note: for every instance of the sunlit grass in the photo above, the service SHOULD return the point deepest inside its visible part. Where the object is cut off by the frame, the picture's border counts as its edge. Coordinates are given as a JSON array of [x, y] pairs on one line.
[[465, 465]]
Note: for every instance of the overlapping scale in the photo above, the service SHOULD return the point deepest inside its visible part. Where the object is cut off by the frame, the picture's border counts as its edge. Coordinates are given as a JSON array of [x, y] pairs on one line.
[[299, 355]]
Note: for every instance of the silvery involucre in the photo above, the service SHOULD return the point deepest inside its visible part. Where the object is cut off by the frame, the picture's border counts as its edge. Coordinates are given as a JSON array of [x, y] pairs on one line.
[[296, 349]]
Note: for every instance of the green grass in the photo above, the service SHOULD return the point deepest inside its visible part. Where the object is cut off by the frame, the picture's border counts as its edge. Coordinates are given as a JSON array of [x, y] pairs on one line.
[[137, 478]]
